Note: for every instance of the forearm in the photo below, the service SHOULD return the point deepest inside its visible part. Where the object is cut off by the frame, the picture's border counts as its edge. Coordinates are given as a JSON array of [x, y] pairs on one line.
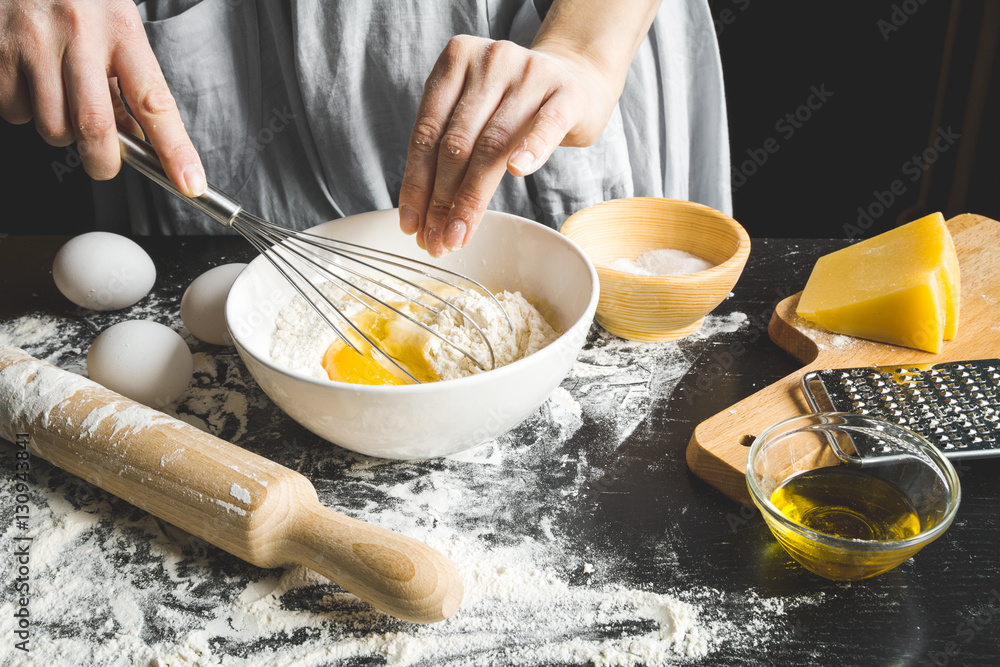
[[605, 32]]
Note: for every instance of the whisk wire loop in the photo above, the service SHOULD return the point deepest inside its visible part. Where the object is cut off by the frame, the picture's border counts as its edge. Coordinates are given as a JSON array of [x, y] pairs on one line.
[[270, 254], [353, 251], [289, 252], [281, 239]]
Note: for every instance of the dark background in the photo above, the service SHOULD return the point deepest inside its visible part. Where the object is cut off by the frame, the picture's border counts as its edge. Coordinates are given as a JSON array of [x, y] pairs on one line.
[[898, 71], [894, 74]]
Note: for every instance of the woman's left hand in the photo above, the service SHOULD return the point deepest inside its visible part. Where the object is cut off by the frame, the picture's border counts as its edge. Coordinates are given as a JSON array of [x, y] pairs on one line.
[[490, 107]]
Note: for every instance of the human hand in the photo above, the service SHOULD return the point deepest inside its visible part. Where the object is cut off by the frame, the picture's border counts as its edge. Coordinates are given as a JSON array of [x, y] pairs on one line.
[[61, 64], [490, 107]]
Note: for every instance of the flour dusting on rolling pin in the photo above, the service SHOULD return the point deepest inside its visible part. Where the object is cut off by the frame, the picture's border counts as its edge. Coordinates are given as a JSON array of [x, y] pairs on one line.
[[198, 482]]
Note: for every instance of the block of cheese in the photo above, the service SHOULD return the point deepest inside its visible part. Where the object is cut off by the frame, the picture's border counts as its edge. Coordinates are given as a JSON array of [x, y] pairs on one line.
[[900, 287]]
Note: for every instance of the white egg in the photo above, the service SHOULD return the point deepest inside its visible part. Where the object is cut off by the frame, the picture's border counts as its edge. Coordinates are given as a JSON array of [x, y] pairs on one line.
[[143, 360], [103, 271], [203, 306]]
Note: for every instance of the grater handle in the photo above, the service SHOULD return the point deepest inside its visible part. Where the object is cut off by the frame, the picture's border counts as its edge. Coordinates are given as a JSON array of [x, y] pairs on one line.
[[813, 379], [808, 381]]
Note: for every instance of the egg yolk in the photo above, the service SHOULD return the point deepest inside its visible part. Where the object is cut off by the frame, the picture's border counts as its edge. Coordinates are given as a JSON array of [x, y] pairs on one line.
[[395, 336], [344, 364]]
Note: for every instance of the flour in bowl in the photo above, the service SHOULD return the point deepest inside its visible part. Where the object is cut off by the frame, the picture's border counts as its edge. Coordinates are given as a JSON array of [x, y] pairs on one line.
[[662, 262], [302, 337]]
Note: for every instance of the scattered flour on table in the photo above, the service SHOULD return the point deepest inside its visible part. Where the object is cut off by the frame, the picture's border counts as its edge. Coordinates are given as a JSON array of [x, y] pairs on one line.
[[301, 336], [48, 337], [619, 380], [114, 586], [520, 607], [30, 330], [219, 399], [716, 324], [561, 398]]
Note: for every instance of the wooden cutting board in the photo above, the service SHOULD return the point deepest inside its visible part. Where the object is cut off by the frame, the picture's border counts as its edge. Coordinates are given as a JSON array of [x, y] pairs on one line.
[[718, 448]]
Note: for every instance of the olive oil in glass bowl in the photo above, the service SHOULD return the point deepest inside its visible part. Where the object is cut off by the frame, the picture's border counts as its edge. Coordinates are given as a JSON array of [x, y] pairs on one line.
[[843, 516]]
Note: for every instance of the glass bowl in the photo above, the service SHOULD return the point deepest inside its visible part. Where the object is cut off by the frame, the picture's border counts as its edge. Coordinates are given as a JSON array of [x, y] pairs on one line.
[[860, 495]]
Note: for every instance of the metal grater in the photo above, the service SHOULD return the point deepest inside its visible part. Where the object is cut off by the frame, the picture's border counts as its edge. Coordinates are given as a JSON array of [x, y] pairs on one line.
[[955, 405]]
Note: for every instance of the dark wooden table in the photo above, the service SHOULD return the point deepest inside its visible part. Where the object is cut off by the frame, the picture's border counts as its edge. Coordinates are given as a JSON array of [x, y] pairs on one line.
[[638, 506]]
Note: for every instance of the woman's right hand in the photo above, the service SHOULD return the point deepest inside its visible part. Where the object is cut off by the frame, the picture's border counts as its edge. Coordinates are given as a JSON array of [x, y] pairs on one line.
[[62, 63]]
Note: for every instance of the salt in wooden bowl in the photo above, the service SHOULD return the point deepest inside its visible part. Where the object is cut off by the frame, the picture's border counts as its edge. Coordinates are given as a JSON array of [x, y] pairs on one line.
[[658, 308]]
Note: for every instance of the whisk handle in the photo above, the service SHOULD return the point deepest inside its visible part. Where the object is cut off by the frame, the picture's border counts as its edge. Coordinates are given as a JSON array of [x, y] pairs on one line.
[[143, 158]]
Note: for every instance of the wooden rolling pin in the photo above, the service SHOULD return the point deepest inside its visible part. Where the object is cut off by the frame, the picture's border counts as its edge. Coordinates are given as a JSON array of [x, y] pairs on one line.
[[255, 509]]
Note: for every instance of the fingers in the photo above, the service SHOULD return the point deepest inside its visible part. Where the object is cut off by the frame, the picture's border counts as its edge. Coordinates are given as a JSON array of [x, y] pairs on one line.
[[31, 81], [519, 138], [500, 135], [15, 100], [90, 109], [442, 91], [488, 108], [48, 99], [150, 100], [470, 141], [122, 117], [548, 129]]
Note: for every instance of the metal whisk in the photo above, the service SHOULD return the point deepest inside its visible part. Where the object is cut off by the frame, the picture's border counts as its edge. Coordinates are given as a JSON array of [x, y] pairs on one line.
[[308, 260]]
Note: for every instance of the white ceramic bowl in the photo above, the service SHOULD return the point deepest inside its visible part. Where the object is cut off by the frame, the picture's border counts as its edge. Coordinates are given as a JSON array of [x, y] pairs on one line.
[[436, 418]]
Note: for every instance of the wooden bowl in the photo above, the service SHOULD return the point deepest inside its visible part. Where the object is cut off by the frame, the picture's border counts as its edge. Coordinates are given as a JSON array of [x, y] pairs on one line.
[[658, 308]]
